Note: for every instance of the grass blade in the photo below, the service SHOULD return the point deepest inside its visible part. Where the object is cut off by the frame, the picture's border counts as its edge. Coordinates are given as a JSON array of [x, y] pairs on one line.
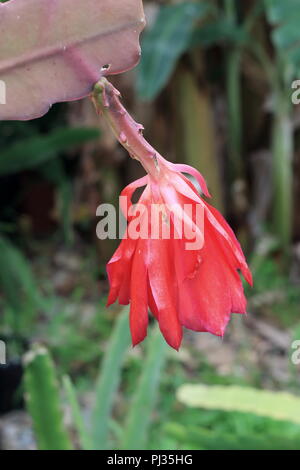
[[108, 381], [144, 400], [70, 391]]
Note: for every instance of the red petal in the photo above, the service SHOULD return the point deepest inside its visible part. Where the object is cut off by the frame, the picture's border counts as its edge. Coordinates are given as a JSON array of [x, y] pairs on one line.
[[185, 268], [138, 317], [129, 191], [119, 267], [220, 224], [151, 302], [118, 270], [229, 261], [239, 302], [205, 297], [184, 186], [163, 287]]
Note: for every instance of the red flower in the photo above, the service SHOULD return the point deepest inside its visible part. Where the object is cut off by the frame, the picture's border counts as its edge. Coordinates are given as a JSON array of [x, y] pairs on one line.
[[195, 285], [196, 288]]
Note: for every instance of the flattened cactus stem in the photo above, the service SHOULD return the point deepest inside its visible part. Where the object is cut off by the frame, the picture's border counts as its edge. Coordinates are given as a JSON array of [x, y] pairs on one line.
[[106, 99]]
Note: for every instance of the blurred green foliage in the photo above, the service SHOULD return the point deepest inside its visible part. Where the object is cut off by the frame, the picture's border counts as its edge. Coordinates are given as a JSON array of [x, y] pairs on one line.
[[33, 152], [42, 394], [276, 405], [165, 43], [285, 17], [134, 402]]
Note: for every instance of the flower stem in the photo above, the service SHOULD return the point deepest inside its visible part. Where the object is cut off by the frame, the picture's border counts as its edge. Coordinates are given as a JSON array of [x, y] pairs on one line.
[[129, 133]]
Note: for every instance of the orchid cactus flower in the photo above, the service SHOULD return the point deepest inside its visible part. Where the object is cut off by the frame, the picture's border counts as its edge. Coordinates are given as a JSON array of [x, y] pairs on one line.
[[184, 263]]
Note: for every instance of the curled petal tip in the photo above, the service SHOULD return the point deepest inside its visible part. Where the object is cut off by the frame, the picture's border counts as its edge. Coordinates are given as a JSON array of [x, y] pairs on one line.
[[136, 340], [111, 300], [248, 276], [207, 193], [197, 175], [175, 343]]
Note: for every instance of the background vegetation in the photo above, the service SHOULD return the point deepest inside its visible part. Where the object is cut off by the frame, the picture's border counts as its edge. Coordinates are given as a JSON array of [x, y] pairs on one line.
[[213, 90]]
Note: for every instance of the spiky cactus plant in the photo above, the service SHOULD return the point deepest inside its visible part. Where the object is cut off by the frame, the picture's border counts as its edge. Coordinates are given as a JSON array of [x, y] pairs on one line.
[[42, 398]]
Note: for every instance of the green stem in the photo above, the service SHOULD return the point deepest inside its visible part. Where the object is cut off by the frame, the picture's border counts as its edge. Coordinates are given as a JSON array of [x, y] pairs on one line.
[[282, 149], [233, 84], [282, 145]]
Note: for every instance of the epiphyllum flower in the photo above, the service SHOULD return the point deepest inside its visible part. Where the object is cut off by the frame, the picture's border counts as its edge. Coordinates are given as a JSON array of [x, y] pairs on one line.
[[193, 288]]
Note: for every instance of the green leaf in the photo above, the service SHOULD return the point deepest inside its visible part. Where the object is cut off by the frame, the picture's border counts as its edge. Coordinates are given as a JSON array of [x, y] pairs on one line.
[[16, 277], [54, 172], [144, 399], [285, 18], [43, 403], [164, 43], [279, 11], [108, 381], [277, 405], [32, 152], [217, 32]]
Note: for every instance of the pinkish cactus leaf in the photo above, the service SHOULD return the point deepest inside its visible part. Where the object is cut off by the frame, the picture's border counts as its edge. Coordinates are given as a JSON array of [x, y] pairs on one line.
[[56, 50]]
